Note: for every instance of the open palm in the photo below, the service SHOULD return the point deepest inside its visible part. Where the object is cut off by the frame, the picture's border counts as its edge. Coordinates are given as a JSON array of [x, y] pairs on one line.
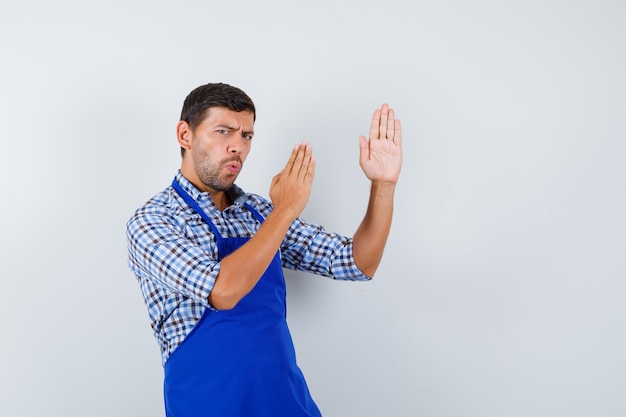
[[381, 155]]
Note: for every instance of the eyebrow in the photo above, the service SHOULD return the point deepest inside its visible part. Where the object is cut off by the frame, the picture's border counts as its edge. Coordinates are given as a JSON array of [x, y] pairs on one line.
[[228, 127]]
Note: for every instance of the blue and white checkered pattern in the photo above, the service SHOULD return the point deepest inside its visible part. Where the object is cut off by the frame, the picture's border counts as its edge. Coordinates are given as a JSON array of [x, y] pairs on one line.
[[173, 253]]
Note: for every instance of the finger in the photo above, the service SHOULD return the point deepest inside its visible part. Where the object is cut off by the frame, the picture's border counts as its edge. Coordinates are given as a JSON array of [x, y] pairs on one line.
[[297, 163], [390, 124], [375, 126], [310, 171], [292, 159], [384, 115], [306, 159], [397, 138]]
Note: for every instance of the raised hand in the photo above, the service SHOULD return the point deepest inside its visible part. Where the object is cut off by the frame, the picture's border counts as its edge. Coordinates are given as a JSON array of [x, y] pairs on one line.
[[291, 188], [381, 155]]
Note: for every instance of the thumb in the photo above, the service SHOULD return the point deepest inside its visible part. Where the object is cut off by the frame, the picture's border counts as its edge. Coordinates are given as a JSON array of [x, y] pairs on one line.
[[276, 177], [364, 149]]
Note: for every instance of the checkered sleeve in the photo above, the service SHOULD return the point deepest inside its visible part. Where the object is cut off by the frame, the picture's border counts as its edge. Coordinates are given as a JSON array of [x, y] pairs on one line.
[[160, 251], [309, 247]]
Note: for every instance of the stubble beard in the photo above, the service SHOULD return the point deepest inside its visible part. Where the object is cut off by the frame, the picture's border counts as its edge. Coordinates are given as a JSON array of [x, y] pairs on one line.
[[209, 173]]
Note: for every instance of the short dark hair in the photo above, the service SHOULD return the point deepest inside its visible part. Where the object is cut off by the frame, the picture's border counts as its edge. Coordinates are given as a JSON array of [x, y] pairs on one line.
[[201, 99]]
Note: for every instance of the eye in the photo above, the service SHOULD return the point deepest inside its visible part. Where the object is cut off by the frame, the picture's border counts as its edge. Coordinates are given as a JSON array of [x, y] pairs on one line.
[[247, 136], [222, 131]]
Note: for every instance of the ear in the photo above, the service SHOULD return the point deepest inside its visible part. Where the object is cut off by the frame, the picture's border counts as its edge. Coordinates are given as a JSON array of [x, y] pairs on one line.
[[184, 134]]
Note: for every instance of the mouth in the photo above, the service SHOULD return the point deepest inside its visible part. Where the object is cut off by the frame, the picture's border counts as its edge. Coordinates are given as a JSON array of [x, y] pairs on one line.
[[233, 166]]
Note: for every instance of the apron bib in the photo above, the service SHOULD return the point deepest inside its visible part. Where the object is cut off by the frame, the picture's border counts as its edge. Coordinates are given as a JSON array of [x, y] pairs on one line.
[[239, 362]]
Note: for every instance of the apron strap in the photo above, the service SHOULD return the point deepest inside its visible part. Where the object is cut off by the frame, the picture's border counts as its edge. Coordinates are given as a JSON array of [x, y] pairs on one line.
[[196, 207], [255, 213]]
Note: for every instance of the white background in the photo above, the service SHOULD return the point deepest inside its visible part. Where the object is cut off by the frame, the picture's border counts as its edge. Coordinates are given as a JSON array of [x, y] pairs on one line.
[[502, 289]]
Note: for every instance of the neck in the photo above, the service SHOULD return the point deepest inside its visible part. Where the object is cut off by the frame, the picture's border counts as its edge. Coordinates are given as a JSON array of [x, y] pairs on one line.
[[220, 198]]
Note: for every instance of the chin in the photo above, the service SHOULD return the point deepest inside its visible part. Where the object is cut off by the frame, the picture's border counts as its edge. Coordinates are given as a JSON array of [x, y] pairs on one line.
[[225, 186]]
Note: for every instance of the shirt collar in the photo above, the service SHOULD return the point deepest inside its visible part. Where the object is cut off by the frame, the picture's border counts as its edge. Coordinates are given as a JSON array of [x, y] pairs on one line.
[[236, 194]]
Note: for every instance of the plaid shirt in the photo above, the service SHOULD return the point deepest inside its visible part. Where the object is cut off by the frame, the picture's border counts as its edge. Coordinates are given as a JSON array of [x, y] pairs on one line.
[[173, 253]]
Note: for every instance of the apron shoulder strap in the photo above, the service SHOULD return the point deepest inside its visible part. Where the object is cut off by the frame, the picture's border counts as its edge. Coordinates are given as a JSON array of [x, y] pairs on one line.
[[194, 205]]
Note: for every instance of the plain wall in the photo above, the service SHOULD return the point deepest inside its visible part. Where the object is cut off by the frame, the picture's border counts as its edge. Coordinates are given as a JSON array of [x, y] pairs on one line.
[[502, 289]]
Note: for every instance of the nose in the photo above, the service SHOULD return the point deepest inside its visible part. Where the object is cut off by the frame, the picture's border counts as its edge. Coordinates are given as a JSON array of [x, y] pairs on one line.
[[235, 145]]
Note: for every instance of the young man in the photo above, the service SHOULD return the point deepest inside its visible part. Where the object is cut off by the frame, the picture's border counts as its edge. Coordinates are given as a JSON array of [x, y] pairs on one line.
[[209, 259]]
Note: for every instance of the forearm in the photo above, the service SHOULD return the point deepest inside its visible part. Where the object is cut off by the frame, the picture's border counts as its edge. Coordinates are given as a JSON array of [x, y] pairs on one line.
[[241, 270], [289, 191], [371, 236]]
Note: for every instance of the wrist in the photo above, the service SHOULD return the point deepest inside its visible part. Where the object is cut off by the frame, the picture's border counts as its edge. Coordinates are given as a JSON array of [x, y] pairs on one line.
[[383, 186], [283, 215]]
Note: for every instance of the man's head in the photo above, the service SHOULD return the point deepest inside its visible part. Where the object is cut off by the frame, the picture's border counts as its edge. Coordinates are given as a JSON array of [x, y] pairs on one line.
[[201, 99], [215, 133]]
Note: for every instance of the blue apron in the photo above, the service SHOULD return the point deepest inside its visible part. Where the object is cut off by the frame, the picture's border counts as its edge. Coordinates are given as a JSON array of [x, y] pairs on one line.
[[239, 362]]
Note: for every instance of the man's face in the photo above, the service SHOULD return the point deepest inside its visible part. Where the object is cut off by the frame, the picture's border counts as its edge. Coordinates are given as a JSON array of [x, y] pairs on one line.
[[220, 145]]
